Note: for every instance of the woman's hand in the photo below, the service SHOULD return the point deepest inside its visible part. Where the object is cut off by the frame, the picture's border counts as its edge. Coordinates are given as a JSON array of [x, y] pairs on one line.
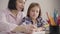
[[30, 28], [19, 29]]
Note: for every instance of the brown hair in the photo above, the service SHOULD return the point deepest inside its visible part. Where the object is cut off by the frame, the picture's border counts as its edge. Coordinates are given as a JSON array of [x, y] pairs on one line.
[[31, 6], [12, 5]]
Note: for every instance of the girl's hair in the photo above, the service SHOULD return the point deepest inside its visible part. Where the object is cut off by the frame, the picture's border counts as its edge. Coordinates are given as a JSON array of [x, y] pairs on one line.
[[33, 5]]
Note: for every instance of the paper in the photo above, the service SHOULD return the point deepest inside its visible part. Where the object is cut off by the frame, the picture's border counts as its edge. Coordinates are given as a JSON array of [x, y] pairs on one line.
[[41, 32]]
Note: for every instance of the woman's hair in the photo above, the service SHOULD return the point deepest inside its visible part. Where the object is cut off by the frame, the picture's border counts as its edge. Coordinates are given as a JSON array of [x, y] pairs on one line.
[[31, 6], [12, 5]]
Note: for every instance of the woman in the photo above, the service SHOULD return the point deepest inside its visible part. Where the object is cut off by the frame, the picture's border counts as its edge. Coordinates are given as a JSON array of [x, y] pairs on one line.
[[33, 20], [11, 17]]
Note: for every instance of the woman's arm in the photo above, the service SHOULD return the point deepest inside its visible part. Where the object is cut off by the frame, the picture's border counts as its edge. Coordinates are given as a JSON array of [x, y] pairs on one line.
[[4, 24]]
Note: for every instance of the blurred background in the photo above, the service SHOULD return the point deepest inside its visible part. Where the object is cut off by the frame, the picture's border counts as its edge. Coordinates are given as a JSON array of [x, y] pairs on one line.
[[46, 6]]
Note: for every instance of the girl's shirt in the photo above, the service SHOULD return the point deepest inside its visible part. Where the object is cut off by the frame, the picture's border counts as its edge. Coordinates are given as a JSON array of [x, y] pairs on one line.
[[40, 21]]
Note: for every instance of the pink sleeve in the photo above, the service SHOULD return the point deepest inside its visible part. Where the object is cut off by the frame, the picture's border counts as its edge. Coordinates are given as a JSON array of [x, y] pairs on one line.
[[4, 25]]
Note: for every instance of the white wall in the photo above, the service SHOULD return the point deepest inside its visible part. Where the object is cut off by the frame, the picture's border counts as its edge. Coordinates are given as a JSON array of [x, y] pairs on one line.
[[57, 6], [3, 4], [46, 5]]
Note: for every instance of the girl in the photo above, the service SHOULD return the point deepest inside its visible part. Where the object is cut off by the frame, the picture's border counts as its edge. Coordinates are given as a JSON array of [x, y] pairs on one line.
[[33, 20]]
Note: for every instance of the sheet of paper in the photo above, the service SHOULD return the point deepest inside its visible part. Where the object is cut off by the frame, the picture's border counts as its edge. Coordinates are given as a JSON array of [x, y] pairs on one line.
[[41, 32]]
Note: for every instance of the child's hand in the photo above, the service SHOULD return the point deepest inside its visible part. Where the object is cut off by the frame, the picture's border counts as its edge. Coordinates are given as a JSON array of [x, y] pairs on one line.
[[40, 29]]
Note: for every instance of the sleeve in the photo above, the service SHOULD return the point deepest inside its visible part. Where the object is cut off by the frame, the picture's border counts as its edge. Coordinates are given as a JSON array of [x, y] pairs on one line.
[[4, 25], [45, 24], [25, 21], [42, 22]]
